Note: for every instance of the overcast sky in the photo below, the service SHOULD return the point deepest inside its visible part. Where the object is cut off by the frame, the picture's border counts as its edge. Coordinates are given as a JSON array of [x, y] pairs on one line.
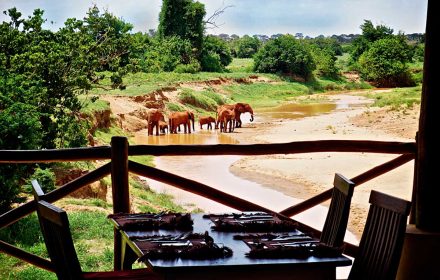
[[310, 17]]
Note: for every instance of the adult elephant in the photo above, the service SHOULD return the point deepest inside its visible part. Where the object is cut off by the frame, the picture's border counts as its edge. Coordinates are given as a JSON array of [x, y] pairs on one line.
[[154, 116], [226, 116], [238, 108], [177, 118]]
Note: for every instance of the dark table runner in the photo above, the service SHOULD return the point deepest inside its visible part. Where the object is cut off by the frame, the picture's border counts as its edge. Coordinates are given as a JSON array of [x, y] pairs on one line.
[[194, 246], [150, 221], [286, 245], [250, 222]]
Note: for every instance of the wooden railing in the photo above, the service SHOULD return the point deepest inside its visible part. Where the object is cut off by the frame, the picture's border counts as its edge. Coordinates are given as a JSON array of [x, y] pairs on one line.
[[119, 168]]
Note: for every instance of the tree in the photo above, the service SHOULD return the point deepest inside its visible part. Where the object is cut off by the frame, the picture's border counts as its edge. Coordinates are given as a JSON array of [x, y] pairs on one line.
[[384, 63], [184, 19], [325, 60], [247, 46], [42, 73], [370, 34], [286, 55], [20, 128], [216, 54]]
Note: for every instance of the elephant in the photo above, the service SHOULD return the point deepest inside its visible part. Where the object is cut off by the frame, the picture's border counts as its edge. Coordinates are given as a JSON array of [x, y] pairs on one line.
[[163, 126], [226, 116], [154, 116], [238, 108], [177, 118], [206, 120]]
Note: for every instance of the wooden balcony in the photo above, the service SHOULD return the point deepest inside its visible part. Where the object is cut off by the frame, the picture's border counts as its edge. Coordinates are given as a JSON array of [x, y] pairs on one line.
[[119, 168]]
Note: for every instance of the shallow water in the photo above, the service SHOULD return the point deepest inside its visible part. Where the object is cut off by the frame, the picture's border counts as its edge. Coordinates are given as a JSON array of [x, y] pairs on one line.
[[295, 111]]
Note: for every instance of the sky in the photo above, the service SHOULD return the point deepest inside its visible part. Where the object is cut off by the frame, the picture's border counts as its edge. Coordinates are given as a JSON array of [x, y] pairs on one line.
[[310, 17]]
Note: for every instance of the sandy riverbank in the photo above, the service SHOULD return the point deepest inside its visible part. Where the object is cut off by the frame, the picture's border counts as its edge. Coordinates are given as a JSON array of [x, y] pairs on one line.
[[314, 173]]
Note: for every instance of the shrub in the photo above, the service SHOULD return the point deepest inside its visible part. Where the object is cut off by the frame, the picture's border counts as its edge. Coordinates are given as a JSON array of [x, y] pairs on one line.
[[385, 63], [45, 177], [247, 46], [211, 62], [216, 54], [20, 128], [166, 54], [192, 68], [286, 55]]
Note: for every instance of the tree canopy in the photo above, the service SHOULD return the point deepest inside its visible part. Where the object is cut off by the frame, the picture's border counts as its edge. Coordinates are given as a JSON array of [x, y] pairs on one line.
[[42, 73], [286, 55]]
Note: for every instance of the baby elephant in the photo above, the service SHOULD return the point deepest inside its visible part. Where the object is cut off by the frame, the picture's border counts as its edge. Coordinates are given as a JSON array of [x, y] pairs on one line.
[[206, 120]]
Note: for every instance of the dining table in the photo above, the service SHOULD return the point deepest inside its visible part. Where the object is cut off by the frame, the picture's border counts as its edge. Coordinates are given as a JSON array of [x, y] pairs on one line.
[[234, 258]]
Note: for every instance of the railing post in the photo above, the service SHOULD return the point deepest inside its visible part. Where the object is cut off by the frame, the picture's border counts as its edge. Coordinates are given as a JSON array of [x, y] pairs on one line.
[[120, 191]]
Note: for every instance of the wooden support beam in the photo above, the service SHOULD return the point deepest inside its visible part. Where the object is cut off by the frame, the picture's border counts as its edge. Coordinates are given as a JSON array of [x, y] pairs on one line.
[[25, 209], [120, 189], [360, 179], [428, 149], [26, 256]]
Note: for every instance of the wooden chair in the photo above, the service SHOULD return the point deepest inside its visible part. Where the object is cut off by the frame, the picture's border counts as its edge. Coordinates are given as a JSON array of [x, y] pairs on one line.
[[336, 221], [381, 243], [57, 236]]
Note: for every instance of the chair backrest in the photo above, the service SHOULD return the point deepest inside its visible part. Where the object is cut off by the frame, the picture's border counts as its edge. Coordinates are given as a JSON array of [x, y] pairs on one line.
[[381, 243], [335, 225], [57, 237]]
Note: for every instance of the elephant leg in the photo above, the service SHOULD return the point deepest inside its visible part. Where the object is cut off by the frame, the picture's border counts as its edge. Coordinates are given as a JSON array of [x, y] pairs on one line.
[[157, 128]]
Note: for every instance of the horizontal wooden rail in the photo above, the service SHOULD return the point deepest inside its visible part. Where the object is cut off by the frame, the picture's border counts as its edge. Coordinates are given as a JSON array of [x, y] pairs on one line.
[[55, 155], [358, 146], [29, 207], [104, 152], [362, 178], [26, 256]]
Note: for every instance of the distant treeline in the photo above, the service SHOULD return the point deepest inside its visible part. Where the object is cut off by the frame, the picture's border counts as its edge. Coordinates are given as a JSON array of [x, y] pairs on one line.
[[342, 38]]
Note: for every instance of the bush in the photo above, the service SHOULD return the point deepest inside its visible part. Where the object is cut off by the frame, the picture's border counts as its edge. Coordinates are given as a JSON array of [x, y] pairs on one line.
[[45, 177], [325, 61], [191, 68], [247, 46], [20, 129], [216, 54], [211, 62], [286, 55], [166, 54], [385, 63]]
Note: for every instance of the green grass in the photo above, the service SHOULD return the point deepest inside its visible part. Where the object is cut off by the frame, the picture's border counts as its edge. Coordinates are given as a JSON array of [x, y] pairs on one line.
[[342, 62], [264, 94], [155, 202], [143, 83], [398, 98], [104, 136], [91, 106], [241, 65]]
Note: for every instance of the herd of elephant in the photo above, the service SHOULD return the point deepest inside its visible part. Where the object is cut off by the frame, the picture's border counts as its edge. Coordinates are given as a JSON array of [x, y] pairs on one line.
[[227, 118]]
